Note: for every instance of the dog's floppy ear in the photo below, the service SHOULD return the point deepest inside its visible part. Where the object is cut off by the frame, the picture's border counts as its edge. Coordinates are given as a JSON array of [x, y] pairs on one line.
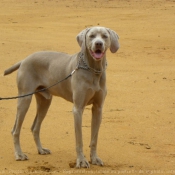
[[81, 36], [114, 41]]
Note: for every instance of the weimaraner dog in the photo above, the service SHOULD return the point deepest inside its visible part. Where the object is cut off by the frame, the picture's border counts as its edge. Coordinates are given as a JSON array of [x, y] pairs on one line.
[[86, 86]]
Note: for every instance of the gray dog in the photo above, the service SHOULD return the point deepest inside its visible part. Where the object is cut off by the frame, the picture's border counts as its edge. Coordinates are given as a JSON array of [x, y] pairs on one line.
[[86, 86]]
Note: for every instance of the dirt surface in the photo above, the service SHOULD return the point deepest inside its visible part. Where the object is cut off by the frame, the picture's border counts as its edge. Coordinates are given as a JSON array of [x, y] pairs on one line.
[[137, 134]]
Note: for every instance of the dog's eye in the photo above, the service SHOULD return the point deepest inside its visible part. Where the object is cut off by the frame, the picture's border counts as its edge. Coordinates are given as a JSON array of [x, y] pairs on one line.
[[104, 36], [92, 36]]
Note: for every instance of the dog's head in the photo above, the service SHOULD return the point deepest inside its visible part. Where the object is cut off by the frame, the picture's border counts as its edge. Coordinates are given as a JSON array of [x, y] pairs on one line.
[[97, 40]]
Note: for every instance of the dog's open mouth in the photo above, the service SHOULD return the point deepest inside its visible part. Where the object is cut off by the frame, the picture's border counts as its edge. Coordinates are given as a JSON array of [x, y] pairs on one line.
[[98, 54]]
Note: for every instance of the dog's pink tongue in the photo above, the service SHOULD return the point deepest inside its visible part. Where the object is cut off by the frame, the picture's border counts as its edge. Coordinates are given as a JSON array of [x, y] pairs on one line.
[[98, 55]]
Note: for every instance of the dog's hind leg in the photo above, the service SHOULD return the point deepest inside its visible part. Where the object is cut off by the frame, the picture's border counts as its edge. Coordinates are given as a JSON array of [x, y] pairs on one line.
[[22, 107], [42, 108]]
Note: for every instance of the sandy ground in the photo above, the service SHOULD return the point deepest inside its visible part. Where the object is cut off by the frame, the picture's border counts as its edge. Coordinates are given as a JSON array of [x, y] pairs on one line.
[[137, 135]]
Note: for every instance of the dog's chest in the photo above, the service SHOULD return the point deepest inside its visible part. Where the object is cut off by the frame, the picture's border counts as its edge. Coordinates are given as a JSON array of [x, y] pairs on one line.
[[97, 83]]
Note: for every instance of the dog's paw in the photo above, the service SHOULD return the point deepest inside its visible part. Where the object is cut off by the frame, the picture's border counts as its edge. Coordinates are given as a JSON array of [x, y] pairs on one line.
[[82, 163], [95, 160], [20, 157], [44, 151]]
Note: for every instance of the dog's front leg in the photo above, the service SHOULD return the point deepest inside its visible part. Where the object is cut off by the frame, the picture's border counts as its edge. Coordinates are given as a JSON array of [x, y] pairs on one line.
[[81, 160], [95, 125]]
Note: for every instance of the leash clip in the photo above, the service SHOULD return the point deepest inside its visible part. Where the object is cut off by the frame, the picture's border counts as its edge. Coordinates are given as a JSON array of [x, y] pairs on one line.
[[73, 72]]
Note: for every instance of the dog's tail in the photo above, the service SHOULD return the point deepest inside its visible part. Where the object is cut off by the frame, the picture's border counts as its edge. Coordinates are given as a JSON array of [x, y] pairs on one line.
[[12, 69]]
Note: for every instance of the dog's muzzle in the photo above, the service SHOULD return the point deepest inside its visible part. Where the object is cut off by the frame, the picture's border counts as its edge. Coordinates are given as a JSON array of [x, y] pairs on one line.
[[98, 50]]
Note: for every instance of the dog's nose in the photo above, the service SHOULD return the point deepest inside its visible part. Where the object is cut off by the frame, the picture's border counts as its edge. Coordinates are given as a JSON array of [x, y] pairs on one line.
[[98, 43]]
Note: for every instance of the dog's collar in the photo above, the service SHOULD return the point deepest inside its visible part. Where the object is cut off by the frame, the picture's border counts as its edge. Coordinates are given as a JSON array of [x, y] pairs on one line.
[[83, 65]]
